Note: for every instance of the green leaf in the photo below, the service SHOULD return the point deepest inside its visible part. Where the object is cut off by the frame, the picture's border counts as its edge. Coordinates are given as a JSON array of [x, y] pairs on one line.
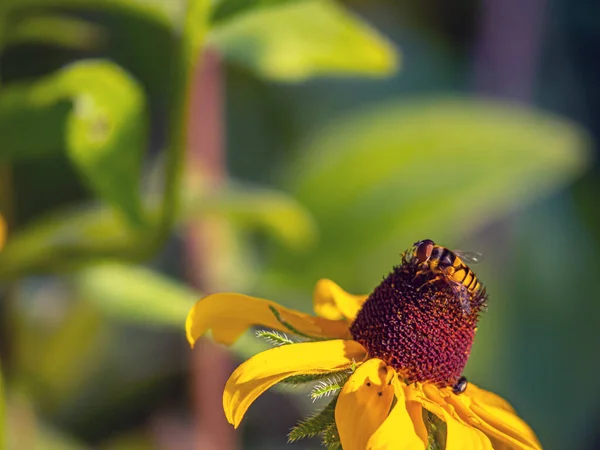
[[70, 239], [315, 424], [314, 377], [274, 338], [167, 13], [66, 240], [99, 110], [297, 40], [250, 207], [135, 294], [227, 9], [329, 386], [31, 125], [384, 178], [57, 30], [107, 132]]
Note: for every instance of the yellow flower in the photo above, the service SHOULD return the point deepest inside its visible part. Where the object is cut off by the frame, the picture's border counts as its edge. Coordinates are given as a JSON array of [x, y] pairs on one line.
[[395, 358]]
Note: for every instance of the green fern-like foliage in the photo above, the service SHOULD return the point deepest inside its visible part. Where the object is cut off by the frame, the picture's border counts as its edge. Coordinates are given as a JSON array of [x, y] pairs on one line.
[[341, 376], [314, 425], [329, 386], [436, 431], [331, 438], [291, 328], [274, 338]]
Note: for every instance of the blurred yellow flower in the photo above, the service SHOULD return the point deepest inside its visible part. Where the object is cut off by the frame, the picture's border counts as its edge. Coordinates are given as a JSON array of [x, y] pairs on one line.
[[3, 231], [392, 360]]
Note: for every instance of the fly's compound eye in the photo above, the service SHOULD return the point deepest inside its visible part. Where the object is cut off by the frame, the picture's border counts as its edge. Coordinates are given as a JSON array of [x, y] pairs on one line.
[[424, 249]]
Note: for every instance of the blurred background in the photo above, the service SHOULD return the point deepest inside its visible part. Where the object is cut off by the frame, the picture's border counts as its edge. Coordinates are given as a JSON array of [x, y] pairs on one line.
[[154, 151]]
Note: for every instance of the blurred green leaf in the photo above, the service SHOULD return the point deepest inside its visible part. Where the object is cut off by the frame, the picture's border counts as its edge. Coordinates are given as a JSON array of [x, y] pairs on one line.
[[186, 58], [104, 130], [382, 179], [58, 30], [73, 238], [106, 133], [66, 334], [31, 125], [227, 9], [27, 431], [66, 240], [167, 13], [296, 40], [53, 439], [133, 440], [136, 294], [250, 207]]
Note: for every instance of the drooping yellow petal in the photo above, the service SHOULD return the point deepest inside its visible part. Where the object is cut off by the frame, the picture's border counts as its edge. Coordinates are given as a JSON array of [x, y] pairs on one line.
[[2, 231], [493, 419], [332, 302], [483, 397], [229, 315], [267, 368], [364, 403], [459, 435], [403, 429]]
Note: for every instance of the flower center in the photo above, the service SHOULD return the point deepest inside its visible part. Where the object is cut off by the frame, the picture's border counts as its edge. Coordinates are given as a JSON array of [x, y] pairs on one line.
[[419, 325]]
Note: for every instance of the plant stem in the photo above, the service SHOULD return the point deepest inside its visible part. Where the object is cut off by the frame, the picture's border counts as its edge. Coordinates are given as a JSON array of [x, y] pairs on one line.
[[211, 365]]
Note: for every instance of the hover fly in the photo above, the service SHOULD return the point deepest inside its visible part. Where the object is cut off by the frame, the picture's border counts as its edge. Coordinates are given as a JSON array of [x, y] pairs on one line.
[[450, 266]]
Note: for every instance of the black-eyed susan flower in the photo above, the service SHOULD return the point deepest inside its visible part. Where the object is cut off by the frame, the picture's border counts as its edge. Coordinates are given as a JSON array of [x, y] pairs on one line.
[[391, 362]]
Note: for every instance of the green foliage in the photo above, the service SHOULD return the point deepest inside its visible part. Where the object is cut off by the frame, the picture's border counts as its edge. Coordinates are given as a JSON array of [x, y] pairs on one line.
[[406, 171], [136, 295], [292, 41], [228, 9], [373, 181], [65, 241], [329, 386], [291, 328], [252, 208], [73, 238], [104, 130], [54, 29], [436, 431], [163, 12], [315, 424], [315, 377], [274, 338], [331, 438]]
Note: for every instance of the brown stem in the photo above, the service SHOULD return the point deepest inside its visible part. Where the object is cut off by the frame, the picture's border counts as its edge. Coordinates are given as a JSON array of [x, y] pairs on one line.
[[210, 365]]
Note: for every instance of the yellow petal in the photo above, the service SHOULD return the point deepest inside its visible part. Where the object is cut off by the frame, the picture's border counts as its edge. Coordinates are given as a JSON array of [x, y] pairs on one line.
[[403, 429], [364, 403], [2, 232], [265, 369], [483, 397], [459, 436], [332, 302], [493, 419], [229, 315]]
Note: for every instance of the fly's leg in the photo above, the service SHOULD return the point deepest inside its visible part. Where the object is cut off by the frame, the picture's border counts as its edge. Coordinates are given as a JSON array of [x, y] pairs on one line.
[[433, 280]]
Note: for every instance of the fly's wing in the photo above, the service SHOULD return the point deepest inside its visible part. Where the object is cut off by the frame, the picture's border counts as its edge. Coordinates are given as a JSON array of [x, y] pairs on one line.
[[465, 301], [469, 257], [463, 295]]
